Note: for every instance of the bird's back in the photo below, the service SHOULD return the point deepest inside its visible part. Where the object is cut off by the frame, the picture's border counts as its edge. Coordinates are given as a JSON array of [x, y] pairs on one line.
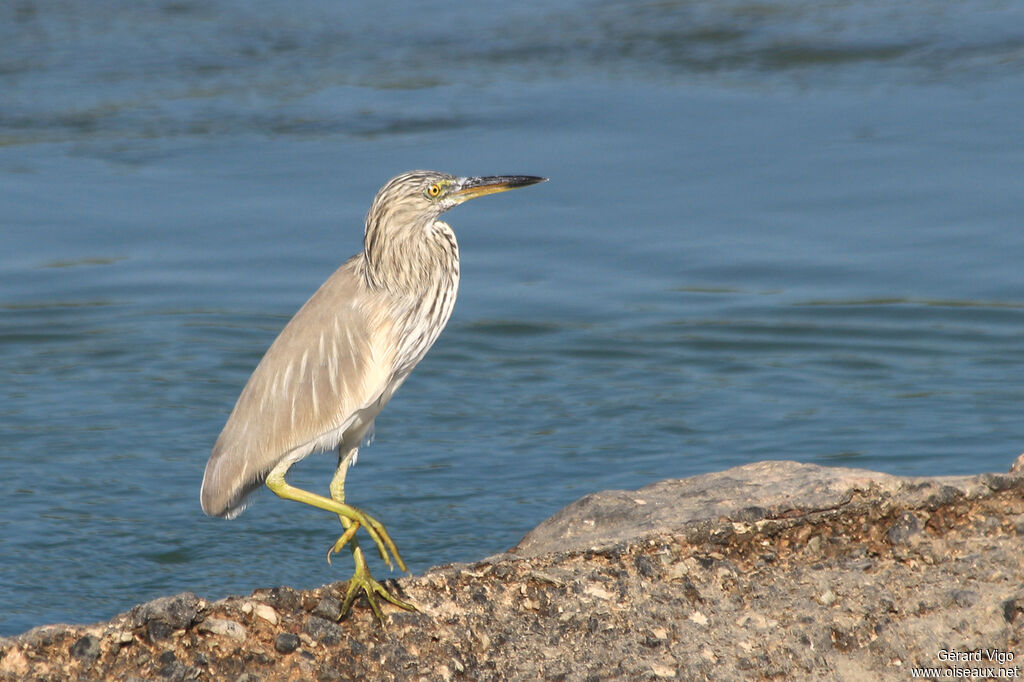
[[347, 350], [321, 382]]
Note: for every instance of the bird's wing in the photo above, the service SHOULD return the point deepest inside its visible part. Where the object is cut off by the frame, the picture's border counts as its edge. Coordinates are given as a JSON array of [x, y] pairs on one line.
[[325, 366]]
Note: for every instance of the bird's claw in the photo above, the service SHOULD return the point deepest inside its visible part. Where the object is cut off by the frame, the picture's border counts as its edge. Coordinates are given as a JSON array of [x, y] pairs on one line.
[[383, 541], [363, 581], [385, 545], [343, 540]]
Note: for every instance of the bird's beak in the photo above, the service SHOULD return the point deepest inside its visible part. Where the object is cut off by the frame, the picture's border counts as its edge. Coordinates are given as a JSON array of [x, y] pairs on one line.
[[471, 188]]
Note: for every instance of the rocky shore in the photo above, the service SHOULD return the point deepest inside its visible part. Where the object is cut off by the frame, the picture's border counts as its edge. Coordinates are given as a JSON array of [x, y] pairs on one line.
[[774, 570]]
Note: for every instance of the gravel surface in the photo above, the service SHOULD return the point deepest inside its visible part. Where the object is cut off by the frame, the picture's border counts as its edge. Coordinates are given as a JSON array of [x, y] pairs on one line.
[[774, 570]]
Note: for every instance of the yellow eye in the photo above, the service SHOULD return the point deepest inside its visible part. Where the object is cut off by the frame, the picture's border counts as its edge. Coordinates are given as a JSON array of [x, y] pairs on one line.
[[434, 190]]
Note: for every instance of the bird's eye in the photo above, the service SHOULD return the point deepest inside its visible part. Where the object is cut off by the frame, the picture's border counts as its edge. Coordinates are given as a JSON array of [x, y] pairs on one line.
[[434, 190]]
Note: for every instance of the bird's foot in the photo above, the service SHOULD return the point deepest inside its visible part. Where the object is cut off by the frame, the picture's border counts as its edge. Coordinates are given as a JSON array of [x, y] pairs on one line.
[[343, 540], [364, 582], [377, 533]]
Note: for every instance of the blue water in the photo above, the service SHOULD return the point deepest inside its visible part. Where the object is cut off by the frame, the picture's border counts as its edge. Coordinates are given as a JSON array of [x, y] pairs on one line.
[[773, 230]]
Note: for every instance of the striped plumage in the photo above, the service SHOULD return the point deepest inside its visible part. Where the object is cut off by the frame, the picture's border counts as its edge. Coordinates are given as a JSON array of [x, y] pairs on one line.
[[336, 363], [347, 350], [340, 359]]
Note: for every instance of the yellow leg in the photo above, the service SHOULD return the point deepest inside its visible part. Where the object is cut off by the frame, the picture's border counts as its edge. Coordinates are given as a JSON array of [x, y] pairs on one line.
[[376, 530], [361, 579]]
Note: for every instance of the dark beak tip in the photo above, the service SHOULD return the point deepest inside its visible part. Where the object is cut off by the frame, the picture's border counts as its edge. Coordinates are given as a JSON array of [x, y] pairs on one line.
[[507, 179], [488, 184], [525, 180]]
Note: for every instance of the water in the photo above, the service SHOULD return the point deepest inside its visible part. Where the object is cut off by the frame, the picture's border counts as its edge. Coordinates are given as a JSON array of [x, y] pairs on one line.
[[773, 230]]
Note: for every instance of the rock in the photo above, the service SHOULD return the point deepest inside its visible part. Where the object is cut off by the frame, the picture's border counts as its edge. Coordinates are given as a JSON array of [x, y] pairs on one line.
[[1012, 608], [905, 528], [286, 642], [773, 570], [281, 598], [163, 616], [964, 598], [223, 626], [329, 608], [266, 612], [171, 668], [86, 648], [778, 489], [178, 611], [324, 631]]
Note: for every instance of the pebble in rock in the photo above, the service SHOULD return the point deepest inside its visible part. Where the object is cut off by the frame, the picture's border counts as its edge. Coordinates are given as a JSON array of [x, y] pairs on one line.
[[286, 642]]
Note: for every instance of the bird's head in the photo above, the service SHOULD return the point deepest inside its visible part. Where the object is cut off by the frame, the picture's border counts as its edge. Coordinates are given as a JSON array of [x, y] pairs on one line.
[[419, 197]]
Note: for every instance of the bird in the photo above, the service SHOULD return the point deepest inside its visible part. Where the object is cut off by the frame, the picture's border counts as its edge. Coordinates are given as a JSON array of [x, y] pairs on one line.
[[340, 359]]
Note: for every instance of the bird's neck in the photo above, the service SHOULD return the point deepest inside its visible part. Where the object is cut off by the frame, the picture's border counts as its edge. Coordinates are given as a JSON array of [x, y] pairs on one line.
[[414, 261], [421, 278]]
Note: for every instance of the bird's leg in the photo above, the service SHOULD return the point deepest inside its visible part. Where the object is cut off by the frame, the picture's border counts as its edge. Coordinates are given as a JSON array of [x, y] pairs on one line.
[[338, 495], [361, 579], [376, 530]]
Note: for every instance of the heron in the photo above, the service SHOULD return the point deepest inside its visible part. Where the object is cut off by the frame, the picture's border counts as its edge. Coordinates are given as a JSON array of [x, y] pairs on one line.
[[340, 359]]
